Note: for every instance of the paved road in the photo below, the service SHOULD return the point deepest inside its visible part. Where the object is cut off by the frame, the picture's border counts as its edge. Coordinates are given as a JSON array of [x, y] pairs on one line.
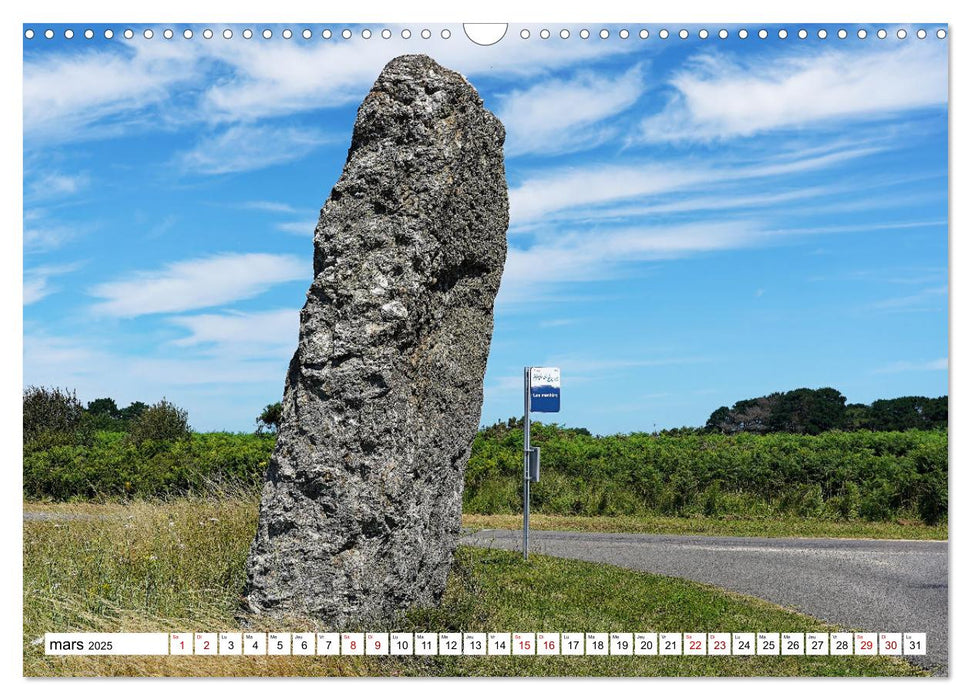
[[873, 585]]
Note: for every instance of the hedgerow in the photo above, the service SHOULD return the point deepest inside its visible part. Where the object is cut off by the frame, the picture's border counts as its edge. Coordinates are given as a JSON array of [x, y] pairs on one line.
[[834, 475]]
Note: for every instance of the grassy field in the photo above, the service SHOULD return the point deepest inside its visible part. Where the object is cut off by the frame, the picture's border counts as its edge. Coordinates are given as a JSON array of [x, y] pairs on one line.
[[727, 526], [179, 566], [718, 526]]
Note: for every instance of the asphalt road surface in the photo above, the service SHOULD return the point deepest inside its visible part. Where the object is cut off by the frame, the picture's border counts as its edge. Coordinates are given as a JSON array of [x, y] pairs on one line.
[[863, 585]]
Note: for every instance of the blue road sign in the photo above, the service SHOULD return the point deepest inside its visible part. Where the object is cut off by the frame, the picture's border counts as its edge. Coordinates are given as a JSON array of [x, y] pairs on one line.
[[544, 389]]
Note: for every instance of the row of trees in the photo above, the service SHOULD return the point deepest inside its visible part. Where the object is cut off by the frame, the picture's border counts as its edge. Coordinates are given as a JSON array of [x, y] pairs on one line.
[[54, 416], [814, 411]]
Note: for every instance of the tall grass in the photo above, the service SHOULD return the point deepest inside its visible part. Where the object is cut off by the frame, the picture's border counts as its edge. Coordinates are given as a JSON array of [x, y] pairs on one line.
[[180, 566]]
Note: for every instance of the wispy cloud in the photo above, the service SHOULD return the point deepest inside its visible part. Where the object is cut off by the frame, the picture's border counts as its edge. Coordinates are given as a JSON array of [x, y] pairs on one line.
[[905, 366], [559, 116], [251, 334], [241, 148], [96, 370], [913, 302], [599, 254], [557, 322], [688, 204], [907, 276], [289, 77], [197, 284], [556, 190], [79, 94], [272, 207], [52, 184], [92, 93], [718, 98], [298, 228], [43, 233], [37, 280]]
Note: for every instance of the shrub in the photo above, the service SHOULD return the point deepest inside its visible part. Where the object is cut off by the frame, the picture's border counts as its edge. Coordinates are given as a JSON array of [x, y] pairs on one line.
[[161, 422], [932, 498], [847, 502], [53, 416], [711, 500], [878, 502]]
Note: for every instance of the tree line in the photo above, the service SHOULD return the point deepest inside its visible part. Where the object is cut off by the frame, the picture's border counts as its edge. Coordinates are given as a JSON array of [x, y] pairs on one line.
[[55, 417], [814, 411], [70, 451]]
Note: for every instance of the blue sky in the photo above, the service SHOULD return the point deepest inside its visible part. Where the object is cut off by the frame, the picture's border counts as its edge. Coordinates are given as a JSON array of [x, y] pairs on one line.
[[692, 221]]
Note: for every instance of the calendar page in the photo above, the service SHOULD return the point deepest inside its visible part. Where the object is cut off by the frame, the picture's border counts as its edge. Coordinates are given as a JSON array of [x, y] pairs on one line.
[[307, 304]]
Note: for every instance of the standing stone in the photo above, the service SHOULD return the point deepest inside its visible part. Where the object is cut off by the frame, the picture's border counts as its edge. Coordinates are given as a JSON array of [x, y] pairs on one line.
[[362, 503]]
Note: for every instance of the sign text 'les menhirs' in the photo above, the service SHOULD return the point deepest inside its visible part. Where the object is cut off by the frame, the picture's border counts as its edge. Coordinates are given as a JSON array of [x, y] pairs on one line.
[[544, 389]]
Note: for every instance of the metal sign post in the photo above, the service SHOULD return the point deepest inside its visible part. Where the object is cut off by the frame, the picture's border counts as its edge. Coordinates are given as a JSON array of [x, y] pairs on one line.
[[526, 372], [541, 393]]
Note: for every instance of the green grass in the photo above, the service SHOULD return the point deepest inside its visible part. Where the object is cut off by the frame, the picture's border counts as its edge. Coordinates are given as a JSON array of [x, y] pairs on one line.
[[179, 566], [726, 526]]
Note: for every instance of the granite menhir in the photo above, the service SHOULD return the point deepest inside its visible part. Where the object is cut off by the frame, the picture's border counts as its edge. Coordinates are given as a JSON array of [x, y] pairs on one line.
[[362, 504]]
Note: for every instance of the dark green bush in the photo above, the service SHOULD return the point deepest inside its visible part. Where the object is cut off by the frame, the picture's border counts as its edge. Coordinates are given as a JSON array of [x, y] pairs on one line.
[[53, 417], [161, 422], [114, 467], [843, 475], [932, 498]]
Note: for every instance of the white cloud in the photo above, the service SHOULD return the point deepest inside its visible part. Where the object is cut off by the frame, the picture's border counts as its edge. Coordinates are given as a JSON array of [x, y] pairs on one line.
[[37, 281], [716, 98], [91, 93], [273, 207], [54, 185], [600, 254], [557, 322], [251, 334], [35, 288], [197, 284], [938, 365], [41, 237], [288, 77], [558, 116], [75, 94], [298, 228], [569, 188], [241, 148], [561, 189], [42, 234], [721, 203]]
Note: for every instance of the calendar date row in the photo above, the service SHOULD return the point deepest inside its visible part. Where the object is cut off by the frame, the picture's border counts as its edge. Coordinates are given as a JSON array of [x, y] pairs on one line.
[[489, 643]]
